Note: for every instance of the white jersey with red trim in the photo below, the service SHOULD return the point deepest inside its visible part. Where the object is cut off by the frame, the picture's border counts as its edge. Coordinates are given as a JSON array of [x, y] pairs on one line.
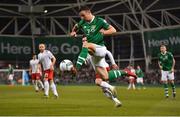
[[34, 63], [45, 58]]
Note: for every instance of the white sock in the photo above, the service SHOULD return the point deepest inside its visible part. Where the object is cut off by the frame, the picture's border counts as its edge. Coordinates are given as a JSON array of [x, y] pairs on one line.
[[115, 100], [53, 87], [46, 87], [133, 86], [129, 86], [36, 85], [106, 85], [40, 82]]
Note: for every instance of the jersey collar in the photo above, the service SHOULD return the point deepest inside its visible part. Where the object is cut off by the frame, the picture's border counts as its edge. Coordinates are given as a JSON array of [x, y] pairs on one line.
[[164, 53], [92, 19]]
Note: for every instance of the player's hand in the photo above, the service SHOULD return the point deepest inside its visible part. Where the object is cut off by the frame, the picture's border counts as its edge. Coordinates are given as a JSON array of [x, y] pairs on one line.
[[102, 31], [73, 70], [160, 67], [172, 70], [114, 66], [73, 34]]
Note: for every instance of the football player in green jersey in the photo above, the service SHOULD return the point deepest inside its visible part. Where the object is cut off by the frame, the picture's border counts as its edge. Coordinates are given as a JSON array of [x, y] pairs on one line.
[[94, 29], [166, 63], [140, 76]]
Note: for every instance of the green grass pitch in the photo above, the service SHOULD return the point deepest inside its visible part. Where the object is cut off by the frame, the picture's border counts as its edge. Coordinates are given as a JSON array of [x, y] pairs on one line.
[[86, 100]]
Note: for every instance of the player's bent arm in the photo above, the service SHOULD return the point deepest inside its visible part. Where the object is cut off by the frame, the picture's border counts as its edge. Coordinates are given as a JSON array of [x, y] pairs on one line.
[[159, 65], [113, 64], [110, 56], [173, 65], [74, 31], [53, 60], [30, 70], [109, 31]]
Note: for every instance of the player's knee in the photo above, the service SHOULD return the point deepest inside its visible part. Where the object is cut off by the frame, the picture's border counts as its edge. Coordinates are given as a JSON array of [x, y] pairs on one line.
[[98, 81]]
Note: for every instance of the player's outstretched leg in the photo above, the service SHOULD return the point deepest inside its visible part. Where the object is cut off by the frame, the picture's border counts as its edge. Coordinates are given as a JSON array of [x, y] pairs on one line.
[[113, 74]]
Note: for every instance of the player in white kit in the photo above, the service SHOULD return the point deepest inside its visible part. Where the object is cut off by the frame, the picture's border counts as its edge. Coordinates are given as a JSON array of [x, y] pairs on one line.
[[47, 59], [35, 72]]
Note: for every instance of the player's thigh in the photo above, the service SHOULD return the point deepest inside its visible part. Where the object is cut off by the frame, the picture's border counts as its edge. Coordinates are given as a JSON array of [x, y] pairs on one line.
[[33, 76], [90, 46], [164, 75], [100, 51], [48, 74], [38, 76], [139, 80], [171, 76], [98, 81], [10, 77], [102, 72]]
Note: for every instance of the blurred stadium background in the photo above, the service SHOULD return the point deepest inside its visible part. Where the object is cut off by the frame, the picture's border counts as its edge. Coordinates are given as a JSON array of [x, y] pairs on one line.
[[141, 26]]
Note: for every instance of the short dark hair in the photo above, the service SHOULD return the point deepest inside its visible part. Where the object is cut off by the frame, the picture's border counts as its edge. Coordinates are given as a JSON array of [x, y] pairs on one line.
[[84, 8], [162, 45]]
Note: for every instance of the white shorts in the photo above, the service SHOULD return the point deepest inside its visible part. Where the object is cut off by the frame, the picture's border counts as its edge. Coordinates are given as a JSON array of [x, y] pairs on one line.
[[139, 80], [99, 62], [10, 77], [167, 75], [100, 51], [98, 59]]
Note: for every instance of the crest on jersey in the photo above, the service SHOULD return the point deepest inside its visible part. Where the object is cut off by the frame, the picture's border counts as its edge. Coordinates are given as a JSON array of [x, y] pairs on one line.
[[93, 27]]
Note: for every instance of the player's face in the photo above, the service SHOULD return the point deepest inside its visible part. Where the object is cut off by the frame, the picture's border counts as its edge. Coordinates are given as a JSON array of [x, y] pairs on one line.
[[85, 15], [41, 47], [163, 49]]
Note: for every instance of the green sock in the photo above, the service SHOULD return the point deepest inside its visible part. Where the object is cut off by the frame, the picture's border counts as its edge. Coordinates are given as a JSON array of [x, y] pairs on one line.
[[166, 89], [113, 74], [82, 57], [173, 87], [139, 85]]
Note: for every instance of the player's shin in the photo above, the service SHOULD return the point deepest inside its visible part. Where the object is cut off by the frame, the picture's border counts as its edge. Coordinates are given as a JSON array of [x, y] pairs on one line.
[[166, 89], [36, 86], [82, 57], [41, 84], [173, 89], [53, 87], [46, 87]]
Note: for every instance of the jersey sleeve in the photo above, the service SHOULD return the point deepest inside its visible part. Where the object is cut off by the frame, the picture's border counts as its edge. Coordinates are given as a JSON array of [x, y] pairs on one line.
[[110, 57], [171, 55], [79, 25], [39, 58], [105, 25], [50, 54]]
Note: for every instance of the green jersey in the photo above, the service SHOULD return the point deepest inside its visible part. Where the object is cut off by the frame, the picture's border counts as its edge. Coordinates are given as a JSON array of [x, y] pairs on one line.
[[92, 30], [10, 70], [166, 60], [139, 73]]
